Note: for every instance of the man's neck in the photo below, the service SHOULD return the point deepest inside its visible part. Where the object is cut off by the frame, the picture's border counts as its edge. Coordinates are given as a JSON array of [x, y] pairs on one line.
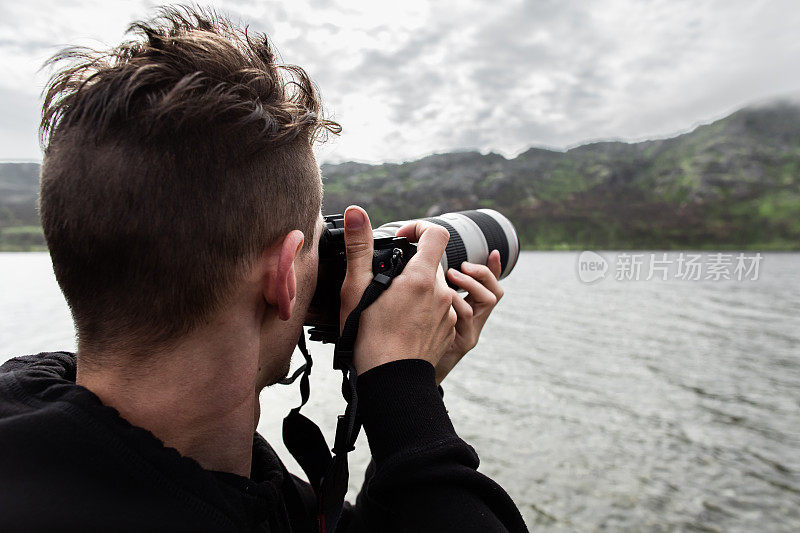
[[198, 397]]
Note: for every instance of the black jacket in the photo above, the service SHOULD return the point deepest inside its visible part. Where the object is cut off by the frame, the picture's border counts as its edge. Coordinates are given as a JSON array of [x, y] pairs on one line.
[[70, 463]]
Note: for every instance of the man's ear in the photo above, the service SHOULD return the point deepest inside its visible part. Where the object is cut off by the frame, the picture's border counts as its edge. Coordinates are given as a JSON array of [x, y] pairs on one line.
[[281, 287]]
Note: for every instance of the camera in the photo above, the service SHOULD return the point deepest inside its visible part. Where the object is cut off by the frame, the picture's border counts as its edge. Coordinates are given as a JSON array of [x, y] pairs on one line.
[[473, 235]]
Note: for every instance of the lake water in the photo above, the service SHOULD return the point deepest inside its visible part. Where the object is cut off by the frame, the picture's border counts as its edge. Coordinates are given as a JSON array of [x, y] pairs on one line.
[[620, 405]]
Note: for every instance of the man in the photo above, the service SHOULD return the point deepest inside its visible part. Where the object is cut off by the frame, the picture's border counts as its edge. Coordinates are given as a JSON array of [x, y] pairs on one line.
[[180, 199]]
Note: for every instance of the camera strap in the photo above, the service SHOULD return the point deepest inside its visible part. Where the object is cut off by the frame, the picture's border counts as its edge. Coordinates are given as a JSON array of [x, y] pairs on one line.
[[328, 474]]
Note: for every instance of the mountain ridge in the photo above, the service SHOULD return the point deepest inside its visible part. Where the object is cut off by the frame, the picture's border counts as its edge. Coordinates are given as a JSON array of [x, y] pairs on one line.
[[732, 183]]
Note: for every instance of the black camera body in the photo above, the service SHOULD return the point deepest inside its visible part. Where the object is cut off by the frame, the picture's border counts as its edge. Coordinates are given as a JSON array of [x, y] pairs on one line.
[[323, 313]]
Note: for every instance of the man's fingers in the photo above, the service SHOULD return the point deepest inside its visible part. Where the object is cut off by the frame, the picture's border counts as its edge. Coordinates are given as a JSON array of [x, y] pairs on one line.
[[358, 243], [479, 293], [358, 249], [463, 311], [412, 230], [485, 276], [431, 241], [494, 264]]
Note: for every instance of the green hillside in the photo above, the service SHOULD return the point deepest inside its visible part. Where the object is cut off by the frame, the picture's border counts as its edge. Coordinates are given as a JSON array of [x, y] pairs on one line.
[[19, 220], [734, 183]]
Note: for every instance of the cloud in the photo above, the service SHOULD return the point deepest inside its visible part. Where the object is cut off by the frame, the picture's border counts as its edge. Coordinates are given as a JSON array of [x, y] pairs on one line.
[[407, 79], [19, 125]]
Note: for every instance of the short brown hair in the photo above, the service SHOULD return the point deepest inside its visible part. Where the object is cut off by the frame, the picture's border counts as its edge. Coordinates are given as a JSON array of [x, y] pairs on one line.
[[170, 163]]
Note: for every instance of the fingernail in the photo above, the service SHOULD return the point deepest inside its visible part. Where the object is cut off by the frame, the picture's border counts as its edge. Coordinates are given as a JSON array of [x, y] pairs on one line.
[[455, 272], [353, 219]]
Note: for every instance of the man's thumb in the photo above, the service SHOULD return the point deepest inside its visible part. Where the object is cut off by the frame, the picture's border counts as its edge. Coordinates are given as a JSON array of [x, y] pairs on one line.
[[358, 242]]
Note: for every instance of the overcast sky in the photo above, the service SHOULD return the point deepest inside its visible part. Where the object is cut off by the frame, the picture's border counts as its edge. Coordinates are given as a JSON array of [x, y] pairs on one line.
[[410, 78]]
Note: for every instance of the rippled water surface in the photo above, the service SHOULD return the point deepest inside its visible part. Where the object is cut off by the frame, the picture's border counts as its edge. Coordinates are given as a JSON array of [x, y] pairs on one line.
[[645, 405]]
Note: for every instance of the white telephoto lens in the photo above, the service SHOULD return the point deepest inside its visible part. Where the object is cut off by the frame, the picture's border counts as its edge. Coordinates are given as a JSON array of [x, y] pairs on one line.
[[473, 235]]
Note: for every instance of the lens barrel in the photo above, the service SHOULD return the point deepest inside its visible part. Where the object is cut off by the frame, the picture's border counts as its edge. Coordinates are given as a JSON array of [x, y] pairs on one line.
[[473, 235]]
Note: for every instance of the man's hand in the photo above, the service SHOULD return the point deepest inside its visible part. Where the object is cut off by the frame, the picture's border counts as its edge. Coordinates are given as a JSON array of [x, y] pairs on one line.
[[414, 318], [484, 291]]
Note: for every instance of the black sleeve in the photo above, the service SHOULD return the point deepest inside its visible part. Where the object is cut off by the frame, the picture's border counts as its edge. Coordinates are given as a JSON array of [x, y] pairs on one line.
[[423, 477]]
